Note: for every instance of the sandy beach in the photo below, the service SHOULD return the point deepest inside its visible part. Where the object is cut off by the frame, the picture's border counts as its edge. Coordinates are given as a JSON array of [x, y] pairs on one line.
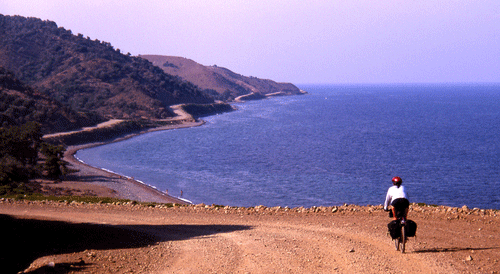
[[104, 183], [89, 180]]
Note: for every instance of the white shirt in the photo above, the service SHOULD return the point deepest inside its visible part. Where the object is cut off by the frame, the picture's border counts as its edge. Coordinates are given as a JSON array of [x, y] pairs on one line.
[[394, 193]]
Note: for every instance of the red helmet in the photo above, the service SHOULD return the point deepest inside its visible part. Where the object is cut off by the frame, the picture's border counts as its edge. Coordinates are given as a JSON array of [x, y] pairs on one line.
[[397, 180]]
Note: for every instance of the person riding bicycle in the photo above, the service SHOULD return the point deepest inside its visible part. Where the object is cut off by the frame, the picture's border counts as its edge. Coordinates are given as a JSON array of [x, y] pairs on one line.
[[398, 198]]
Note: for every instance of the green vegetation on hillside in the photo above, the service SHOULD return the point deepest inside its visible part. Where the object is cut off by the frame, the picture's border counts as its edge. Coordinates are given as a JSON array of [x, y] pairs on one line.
[[89, 75], [20, 104], [203, 110]]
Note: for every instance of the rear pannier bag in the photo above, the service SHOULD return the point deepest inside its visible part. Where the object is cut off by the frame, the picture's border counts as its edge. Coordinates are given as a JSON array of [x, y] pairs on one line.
[[410, 228], [394, 229]]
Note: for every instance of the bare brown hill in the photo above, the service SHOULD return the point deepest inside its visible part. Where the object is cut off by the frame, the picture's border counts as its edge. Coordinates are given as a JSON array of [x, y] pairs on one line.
[[221, 82]]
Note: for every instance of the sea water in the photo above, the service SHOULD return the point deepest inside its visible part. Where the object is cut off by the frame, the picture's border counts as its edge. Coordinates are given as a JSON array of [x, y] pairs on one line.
[[335, 145]]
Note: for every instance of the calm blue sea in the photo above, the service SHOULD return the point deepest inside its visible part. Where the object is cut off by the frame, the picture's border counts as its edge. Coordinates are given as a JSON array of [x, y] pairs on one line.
[[336, 145]]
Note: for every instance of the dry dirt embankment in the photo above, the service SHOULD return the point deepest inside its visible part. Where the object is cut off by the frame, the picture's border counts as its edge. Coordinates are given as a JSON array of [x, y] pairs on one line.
[[128, 238]]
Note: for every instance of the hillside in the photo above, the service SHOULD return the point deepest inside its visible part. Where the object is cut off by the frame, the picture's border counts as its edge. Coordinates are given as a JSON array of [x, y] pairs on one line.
[[222, 83], [20, 103], [89, 75], [81, 82]]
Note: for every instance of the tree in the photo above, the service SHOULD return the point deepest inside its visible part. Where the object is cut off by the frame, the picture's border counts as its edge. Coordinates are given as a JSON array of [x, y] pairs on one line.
[[21, 142], [20, 147], [53, 166]]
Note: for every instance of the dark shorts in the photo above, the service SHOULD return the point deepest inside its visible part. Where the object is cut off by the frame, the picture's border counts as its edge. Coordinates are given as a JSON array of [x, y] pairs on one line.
[[400, 205]]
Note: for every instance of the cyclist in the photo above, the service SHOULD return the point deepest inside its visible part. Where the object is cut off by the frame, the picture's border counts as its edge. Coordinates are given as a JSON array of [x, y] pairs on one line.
[[398, 198]]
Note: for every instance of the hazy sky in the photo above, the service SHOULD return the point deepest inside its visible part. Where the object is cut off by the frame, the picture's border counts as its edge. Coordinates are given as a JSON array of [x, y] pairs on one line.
[[324, 41]]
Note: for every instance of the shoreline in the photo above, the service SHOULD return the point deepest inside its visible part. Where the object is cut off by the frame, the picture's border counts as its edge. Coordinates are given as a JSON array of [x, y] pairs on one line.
[[120, 186], [126, 187]]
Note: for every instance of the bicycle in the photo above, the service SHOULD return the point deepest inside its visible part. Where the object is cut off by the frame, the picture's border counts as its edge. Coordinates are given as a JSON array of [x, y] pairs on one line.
[[401, 239]]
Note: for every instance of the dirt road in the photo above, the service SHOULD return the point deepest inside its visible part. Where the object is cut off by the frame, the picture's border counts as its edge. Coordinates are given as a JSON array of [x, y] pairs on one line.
[[101, 238]]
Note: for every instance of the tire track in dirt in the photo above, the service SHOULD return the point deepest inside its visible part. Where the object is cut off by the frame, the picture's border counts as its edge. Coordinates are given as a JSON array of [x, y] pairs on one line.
[[298, 248]]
